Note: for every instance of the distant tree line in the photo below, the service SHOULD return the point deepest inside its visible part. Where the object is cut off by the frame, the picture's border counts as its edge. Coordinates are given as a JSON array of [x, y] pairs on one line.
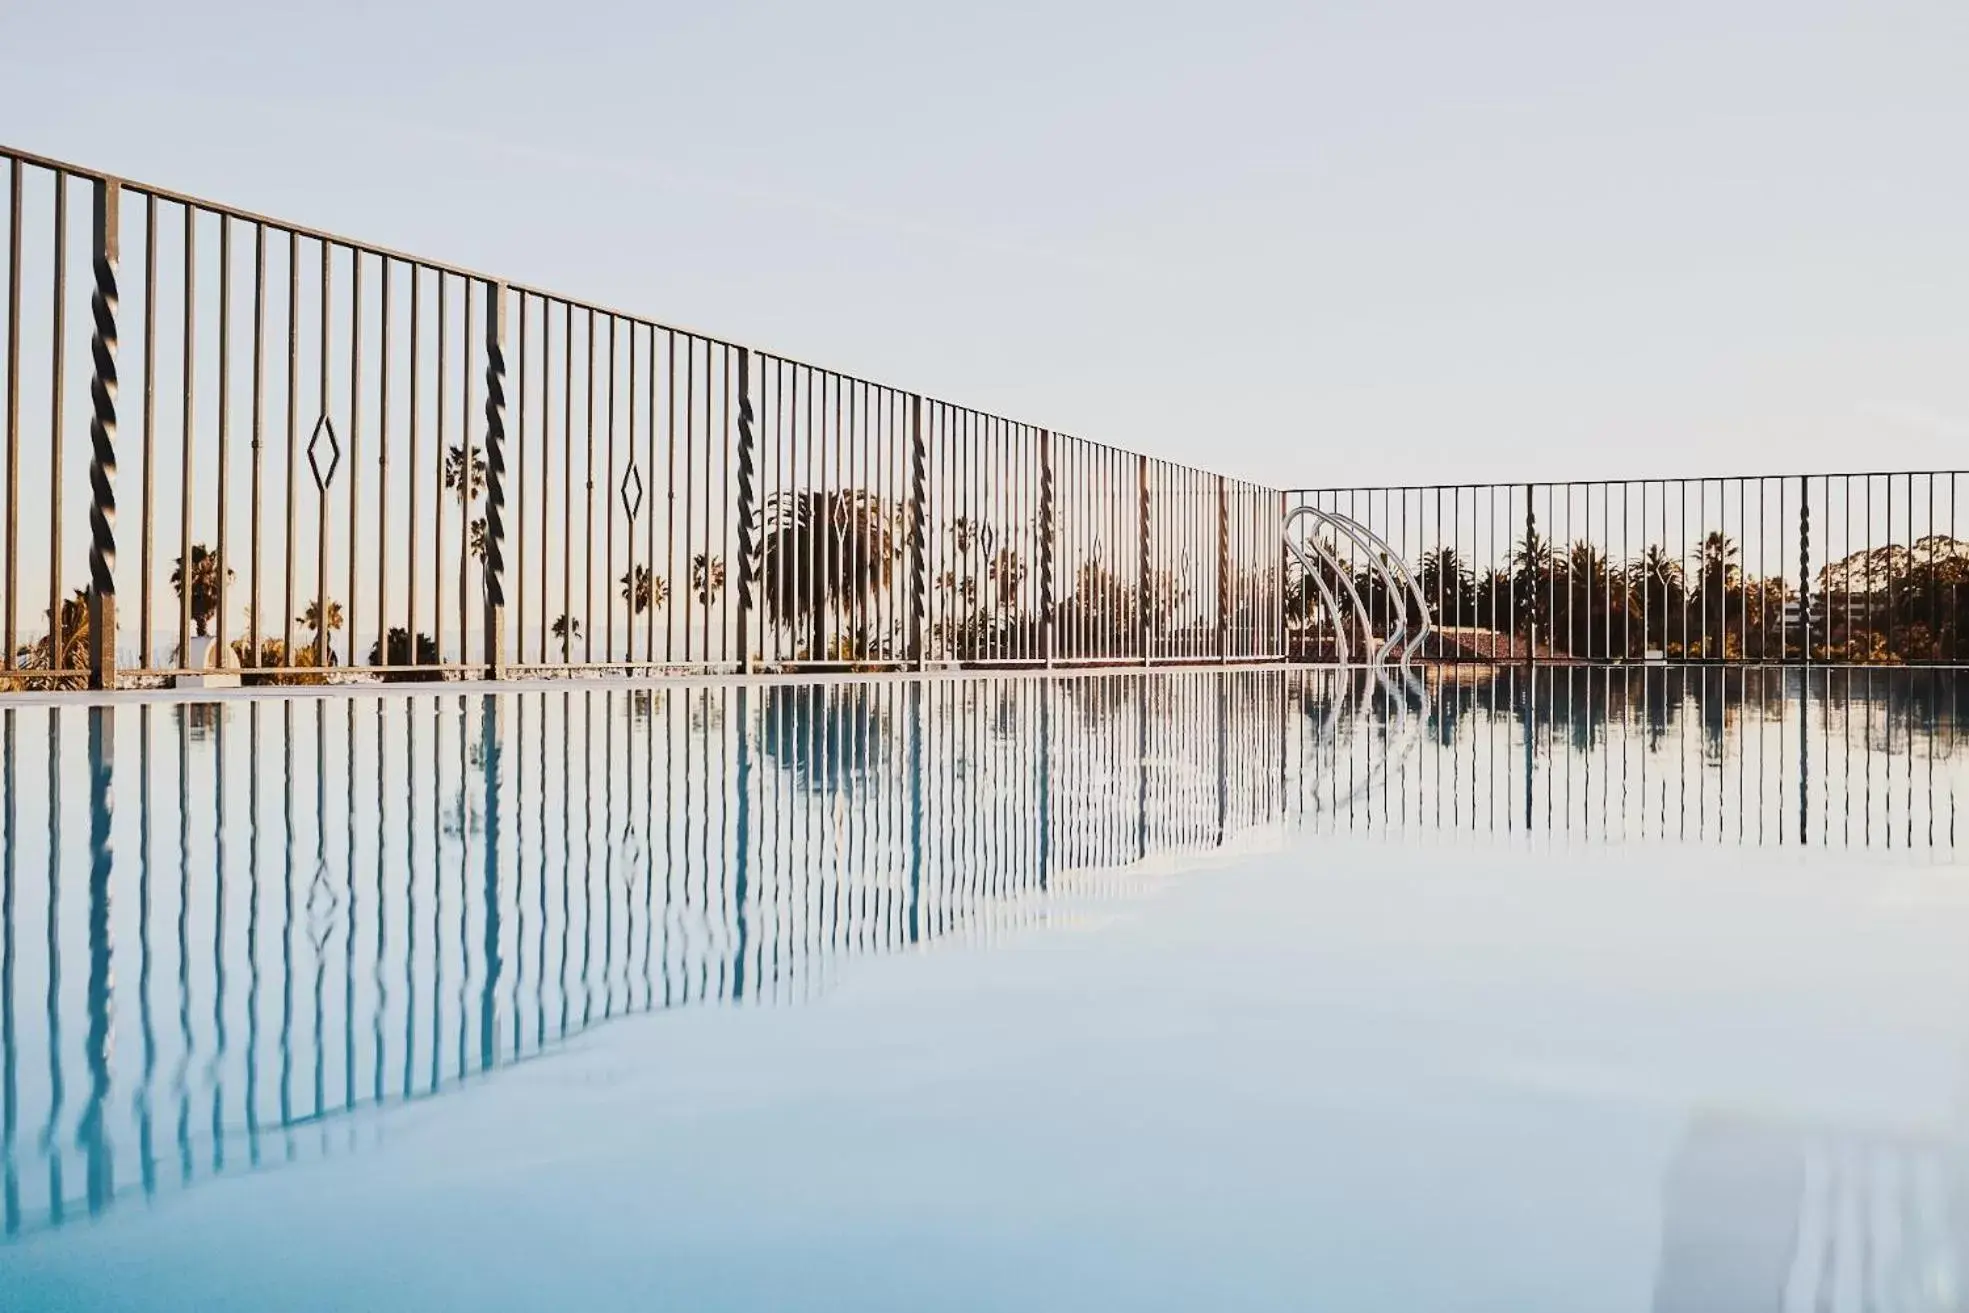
[[1885, 605]]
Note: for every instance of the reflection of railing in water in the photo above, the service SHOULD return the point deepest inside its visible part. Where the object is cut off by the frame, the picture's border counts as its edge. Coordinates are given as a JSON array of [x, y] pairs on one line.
[[287, 952], [1839, 757], [246, 949]]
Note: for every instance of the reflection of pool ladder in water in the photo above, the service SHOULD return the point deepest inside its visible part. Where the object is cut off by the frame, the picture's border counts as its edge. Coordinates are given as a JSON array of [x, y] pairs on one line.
[[1398, 583], [1763, 1215]]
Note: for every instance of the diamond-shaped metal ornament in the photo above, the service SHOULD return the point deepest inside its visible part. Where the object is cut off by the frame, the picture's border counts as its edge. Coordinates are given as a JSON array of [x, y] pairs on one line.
[[321, 908], [632, 490], [324, 428]]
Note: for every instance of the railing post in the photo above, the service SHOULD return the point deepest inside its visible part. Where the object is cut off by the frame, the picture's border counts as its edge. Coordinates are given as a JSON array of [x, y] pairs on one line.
[[495, 481], [1278, 593], [919, 478], [1145, 582], [745, 509], [1046, 582], [1531, 623], [102, 439], [1223, 570], [1805, 568], [918, 510]]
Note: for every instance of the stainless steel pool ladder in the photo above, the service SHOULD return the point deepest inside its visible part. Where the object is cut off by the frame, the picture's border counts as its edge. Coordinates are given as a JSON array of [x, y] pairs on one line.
[[1386, 564]]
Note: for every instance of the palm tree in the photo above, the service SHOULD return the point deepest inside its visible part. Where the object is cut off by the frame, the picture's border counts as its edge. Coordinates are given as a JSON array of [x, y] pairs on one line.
[[965, 532], [1719, 554], [1591, 600], [826, 552], [1446, 583], [311, 618], [454, 472], [567, 629], [1008, 575], [1719, 581], [1657, 578], [1534, 578], [643, 590], [397, 650], [1493, 600], [1167, 593], [203, 581], [707, 577], [1099, 613], [41, 655], [469, 484]]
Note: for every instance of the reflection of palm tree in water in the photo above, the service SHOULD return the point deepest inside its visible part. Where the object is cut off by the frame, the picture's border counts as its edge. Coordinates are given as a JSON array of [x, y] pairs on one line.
[[825, 735]]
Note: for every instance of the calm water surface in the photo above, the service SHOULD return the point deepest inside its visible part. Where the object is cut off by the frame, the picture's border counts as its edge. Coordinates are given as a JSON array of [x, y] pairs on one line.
[[1175, 991]]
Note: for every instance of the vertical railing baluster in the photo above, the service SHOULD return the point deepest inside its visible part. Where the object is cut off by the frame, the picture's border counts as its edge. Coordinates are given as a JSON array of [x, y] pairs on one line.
[[1223, 569], [918, 491], [257, 440], [222, 542], [102, 437], [411, 367], [608, 520], [1047, 583], [148, 523], [473, 460], [1147, 563], [57, 355], [351, 607], [441, 454], [495, 488], [383, 657], [746, 495], [520, 496], [12, 414], [185, 440], [1531, 626], [324, 427], [1805, 569], [293, 437]]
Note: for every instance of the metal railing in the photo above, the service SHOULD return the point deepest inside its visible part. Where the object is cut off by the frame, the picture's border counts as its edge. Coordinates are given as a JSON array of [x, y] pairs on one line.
[[312, 459], [1821, 568]]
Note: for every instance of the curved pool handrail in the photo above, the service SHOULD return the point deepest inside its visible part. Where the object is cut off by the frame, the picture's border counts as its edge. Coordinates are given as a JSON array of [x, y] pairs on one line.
[[1331, 603], [1398, 568], [1345, 576], [1387, 566]]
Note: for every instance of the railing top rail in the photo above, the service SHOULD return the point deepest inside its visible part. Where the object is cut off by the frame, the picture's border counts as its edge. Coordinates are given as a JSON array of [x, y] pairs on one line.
[[524, 289], [1622, 482]]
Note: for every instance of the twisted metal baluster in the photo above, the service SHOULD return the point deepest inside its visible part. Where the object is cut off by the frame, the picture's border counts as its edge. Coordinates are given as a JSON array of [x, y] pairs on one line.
[[102, 441], [495, 481], [745, 504], [1223, 570], [918, 491], [1046, 582], [1148, 574], [1805, 567]]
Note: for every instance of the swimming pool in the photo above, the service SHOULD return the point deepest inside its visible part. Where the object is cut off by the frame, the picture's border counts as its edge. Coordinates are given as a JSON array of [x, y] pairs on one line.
[[1573, 990]]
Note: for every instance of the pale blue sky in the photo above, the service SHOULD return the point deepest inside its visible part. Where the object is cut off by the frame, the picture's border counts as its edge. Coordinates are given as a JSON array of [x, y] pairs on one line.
[[1303, 243]]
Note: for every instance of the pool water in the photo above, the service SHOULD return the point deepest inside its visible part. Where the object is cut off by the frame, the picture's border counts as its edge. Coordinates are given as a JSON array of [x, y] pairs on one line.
[[1566, 990]]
